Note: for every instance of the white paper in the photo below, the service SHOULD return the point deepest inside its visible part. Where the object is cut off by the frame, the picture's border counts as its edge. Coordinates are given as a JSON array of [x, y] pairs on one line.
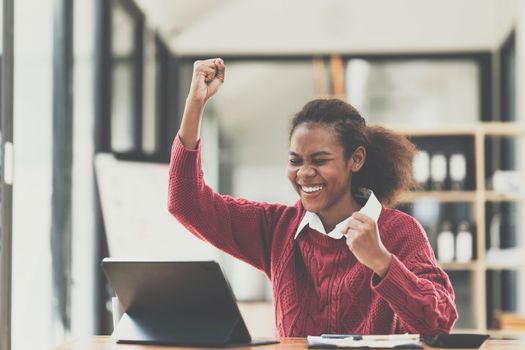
[[370, 341]]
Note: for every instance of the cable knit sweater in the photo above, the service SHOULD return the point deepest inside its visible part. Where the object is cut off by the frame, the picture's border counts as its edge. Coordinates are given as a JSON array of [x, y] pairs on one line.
[[318, 284]]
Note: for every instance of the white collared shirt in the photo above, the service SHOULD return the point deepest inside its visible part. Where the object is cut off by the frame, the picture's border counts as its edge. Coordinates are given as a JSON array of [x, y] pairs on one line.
[[372, 208]]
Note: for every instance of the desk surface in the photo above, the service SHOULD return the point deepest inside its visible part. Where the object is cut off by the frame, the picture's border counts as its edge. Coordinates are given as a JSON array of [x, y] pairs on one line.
[[106, 343]]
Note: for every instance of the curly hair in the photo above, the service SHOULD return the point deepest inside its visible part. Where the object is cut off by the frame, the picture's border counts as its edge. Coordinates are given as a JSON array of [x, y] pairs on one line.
[[388, 165]]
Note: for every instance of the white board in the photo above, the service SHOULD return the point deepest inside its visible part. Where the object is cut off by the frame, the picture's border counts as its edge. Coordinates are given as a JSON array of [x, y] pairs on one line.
[[134, 206]]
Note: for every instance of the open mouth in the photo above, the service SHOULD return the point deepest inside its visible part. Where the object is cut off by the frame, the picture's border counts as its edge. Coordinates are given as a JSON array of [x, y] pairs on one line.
[[311, 189]]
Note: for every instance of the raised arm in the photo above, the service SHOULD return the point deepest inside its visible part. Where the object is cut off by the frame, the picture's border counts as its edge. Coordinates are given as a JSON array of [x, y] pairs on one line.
[[239, 227], [208, 76]]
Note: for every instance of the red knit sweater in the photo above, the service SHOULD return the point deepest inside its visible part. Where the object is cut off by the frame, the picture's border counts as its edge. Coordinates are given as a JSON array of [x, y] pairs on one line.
[[318, 285]]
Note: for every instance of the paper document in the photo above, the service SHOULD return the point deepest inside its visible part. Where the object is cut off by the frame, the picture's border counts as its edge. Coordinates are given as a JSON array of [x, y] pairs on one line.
[[366, 341]]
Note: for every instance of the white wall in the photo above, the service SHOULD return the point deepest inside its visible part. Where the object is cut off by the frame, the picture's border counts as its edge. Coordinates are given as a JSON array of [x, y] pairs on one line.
[[83, 217], [33, 87]]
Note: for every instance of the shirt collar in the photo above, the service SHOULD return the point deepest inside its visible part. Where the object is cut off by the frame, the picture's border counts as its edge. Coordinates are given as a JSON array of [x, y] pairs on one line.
[[372, 208]]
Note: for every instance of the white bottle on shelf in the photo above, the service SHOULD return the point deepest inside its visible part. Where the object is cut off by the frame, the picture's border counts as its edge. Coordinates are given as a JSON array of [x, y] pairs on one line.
[[495, 232], [421, 169], [438, 171], [445, 243], [458, 171], [464, 240]]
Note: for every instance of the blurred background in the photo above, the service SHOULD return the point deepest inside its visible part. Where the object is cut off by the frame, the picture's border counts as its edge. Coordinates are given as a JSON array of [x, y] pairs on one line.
[[93, 93]]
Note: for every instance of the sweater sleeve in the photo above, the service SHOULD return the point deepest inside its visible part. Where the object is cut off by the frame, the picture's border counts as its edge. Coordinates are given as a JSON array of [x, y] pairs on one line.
[[416, 289], [239, 227]]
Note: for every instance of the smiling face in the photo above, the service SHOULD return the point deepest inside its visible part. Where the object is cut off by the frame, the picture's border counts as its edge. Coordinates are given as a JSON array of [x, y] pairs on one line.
[[320, 174]]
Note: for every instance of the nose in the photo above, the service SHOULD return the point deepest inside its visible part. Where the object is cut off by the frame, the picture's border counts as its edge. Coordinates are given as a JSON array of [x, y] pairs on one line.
[[306, 170]]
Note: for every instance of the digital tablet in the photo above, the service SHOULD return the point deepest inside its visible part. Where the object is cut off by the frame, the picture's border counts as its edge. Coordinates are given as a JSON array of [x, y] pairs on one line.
[[176, 302]]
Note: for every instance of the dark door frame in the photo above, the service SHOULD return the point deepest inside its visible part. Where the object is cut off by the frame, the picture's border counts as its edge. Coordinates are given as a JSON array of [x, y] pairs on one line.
[[61, 198]]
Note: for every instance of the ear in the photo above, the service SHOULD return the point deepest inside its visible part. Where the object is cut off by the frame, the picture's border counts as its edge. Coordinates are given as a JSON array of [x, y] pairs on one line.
[[358, 159]]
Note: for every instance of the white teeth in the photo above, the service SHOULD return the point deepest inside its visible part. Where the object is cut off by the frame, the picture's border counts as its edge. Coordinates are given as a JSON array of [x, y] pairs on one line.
[[311, 189]]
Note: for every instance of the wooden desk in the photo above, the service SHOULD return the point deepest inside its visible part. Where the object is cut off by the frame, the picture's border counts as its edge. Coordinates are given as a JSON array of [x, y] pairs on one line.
[[106, 343]]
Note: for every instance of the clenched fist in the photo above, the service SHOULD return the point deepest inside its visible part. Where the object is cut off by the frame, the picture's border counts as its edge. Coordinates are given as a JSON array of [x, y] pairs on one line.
[[208, 76], [362, 237]]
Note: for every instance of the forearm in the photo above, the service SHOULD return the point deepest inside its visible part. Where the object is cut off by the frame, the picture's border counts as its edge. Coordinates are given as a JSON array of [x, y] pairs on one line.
[[189, 131], [423, 302]]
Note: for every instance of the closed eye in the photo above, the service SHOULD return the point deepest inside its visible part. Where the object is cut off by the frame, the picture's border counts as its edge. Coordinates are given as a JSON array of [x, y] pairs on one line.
[[320, 161], [295, 161]]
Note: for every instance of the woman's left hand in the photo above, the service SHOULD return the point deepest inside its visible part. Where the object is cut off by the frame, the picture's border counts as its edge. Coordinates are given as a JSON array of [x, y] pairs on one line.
[[362, 237]]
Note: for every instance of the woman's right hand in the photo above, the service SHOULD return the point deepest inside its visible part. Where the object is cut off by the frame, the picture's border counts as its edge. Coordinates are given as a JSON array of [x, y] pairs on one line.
[[208, 76]]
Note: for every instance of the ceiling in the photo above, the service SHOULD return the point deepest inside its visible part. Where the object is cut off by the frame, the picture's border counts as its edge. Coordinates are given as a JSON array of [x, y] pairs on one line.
[[212, 27], [172, 17]]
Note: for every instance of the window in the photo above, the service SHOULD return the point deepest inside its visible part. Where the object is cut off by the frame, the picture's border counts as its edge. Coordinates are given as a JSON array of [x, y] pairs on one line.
[[126, 76], [415, 91]]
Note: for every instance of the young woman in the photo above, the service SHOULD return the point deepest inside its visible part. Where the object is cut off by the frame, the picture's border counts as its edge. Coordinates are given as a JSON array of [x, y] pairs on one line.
[[339, 261]]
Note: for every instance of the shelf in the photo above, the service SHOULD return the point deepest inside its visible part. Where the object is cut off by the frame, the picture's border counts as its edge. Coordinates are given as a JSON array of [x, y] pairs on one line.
[[503, 128], [492, 196], [456, 266], [441, 196], [499, 267], [484, 128], [459, 196], [472, 139], [439, 130]]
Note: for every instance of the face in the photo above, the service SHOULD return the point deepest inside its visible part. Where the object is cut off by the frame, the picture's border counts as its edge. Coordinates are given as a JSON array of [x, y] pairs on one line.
[[319, 172]]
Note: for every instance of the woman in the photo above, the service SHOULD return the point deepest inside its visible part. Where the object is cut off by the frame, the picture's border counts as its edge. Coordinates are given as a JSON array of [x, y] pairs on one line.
[[338, 260]]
